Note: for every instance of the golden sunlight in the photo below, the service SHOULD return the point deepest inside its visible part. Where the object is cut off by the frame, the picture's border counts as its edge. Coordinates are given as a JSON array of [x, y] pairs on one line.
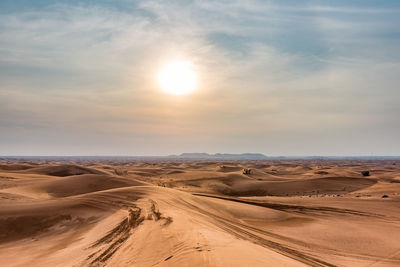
[[177, 78]]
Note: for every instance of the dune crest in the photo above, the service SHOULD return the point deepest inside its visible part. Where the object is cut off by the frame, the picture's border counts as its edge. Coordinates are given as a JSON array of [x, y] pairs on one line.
[[188, 213]]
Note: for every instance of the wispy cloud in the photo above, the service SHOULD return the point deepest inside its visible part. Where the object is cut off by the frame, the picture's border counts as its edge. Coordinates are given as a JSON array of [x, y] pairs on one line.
[[269, 74]]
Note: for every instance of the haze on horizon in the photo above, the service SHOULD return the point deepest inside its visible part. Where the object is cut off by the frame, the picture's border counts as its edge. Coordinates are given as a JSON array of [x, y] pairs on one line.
[[274, 77]]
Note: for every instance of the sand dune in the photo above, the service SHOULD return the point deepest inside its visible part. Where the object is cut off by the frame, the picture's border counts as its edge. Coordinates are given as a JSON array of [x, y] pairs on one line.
[[81, 184], [64, 170], [187, 213], [15, 167]]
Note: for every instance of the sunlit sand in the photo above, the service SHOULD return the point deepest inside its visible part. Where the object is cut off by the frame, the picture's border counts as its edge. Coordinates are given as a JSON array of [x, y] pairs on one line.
[[199, 213]]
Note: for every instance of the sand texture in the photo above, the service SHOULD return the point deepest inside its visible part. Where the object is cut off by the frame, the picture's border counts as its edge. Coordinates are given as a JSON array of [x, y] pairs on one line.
[[199, 213]]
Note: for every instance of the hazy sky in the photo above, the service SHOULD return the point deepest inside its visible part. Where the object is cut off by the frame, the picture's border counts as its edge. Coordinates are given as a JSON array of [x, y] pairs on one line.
[[276, 77]]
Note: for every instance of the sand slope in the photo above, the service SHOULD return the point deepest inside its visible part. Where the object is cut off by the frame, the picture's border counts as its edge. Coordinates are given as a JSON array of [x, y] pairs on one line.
[[186, 213]]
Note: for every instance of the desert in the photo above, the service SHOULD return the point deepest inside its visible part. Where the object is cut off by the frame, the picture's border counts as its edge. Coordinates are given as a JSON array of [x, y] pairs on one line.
[[187, 212], [193, 133]]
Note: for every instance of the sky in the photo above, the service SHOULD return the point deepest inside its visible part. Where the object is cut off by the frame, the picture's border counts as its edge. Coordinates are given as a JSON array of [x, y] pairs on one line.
[[275, 77]]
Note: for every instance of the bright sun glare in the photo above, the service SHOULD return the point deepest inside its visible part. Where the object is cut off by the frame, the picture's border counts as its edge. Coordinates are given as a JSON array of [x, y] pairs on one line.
[[177, 78]]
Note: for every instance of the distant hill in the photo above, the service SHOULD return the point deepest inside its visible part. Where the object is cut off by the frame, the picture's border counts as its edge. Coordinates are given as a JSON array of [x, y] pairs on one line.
[[221, 156]]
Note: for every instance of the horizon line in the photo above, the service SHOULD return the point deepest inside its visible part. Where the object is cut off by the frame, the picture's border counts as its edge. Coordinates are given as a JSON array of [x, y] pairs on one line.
[[213, 154]]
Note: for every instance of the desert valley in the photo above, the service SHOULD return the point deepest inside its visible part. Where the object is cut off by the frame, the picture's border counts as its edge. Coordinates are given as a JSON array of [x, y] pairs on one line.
[[83, 212]]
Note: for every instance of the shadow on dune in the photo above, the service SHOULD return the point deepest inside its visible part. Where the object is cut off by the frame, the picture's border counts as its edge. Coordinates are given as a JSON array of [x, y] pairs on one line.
[[82, 184], [64, 170]]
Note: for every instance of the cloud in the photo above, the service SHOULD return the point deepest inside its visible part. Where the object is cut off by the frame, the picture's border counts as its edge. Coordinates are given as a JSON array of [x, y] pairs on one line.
[[270, 75]]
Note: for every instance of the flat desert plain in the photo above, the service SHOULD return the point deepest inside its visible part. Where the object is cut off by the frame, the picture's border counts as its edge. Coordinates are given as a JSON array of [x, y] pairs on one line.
[[199, 213]]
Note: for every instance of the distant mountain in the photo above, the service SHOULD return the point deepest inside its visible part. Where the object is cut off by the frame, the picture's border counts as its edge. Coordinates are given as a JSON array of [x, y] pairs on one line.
[[194, 155], [221, 156], [244, 155]]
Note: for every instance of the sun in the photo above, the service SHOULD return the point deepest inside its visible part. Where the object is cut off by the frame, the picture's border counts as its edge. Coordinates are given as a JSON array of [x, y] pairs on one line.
[[177, 78]]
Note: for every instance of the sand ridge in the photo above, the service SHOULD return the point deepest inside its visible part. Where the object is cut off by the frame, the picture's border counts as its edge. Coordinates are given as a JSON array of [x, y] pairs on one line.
[[199, 213]]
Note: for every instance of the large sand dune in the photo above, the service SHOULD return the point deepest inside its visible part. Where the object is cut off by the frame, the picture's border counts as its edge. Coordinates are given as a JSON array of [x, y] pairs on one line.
[[204, 213]]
